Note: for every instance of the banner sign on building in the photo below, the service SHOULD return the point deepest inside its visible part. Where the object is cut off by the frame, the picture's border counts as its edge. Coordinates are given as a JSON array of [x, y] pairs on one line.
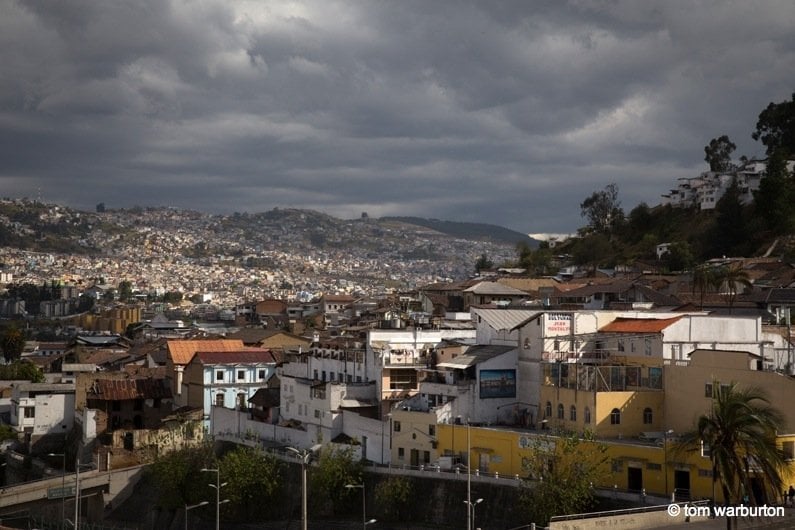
[[558, 323], [497, 384]]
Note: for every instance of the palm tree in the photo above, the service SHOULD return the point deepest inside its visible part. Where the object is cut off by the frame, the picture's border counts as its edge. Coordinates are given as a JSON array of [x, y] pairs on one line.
[[733, 277], [704, 279], [740, 434], [12, 342]]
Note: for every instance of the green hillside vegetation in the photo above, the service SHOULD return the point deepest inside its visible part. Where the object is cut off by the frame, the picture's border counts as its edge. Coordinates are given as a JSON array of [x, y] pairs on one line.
[[766, 225], [468, 230]]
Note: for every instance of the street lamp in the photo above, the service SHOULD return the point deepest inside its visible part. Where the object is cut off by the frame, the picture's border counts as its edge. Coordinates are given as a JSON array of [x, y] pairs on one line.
[[665, 459], [471, 509], [469, 479], [365, 522], [202, 503], [77, 490], [217, 487], [63, 486], [304, 457]]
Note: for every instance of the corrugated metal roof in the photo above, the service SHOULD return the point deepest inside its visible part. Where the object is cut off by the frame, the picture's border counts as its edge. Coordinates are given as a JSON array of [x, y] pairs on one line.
[[638, 325], [182, 351], [500, 319], [124, 389]]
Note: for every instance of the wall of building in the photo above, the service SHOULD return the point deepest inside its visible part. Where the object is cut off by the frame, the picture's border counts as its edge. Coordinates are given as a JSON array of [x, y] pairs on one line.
[[685, 385]]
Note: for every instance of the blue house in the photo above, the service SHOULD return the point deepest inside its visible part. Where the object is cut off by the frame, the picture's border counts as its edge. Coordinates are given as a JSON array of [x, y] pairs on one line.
[[227, 379]]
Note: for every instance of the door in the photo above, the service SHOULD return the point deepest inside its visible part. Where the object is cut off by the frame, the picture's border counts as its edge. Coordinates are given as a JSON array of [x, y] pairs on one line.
[[682, 484], [634, 478], [415, 458]]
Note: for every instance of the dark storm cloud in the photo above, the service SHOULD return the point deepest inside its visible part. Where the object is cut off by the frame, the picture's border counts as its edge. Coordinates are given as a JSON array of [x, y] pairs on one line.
[[505, 112]]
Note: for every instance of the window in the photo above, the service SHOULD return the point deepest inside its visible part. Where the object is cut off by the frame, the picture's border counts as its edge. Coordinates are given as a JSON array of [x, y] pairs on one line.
[[241, 374], [617, 466], [30, 412], [788, 449], [138, 404], [116, 406], [620, 344], [653, 466], [241, 401], [401, 453], [648, 347], [708, 390], [315, 378], [396, 426], [615, 417], [261, 374], [587, 416], [219, 399], [219, 375], [647, 416], [548, 410], [560, 411], [431, 430], [317, 413], [573, 413]]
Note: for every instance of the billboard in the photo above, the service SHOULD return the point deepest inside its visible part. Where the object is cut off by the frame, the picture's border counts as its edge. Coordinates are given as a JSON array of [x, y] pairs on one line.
[[497, 384]]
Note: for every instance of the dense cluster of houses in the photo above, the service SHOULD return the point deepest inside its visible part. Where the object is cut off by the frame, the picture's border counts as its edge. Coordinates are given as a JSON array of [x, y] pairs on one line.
[[467, 372]]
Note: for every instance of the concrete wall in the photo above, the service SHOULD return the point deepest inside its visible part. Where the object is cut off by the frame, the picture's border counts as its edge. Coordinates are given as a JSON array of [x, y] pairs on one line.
[[625, 521]]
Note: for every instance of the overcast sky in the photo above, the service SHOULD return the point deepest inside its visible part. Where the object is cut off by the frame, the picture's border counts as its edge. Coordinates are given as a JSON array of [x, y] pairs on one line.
[[505, 112]]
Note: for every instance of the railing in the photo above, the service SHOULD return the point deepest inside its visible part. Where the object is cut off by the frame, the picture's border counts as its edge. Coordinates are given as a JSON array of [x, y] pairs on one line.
[[626, 511]]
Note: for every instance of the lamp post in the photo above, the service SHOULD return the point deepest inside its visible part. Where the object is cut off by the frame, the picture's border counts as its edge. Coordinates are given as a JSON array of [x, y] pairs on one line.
[[469, 479], [202, 503], [304, 457], [665, 458], [471, 509], [365, 522], [217, 487], [63, 486]]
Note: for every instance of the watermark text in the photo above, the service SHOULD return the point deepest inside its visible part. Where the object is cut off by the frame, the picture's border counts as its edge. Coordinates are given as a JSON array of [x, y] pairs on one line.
[[687, 510]]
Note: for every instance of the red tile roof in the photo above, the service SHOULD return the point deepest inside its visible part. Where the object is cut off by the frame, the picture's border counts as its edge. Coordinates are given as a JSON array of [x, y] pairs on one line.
[[638, 325], [182, 351]]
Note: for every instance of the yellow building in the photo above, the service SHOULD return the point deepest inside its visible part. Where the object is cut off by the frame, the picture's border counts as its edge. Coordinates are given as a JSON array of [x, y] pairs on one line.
[[633, 465], [413, 438], [636, 409]]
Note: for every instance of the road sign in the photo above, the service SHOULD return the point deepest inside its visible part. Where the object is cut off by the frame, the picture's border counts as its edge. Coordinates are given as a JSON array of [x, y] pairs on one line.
[[59, 493]]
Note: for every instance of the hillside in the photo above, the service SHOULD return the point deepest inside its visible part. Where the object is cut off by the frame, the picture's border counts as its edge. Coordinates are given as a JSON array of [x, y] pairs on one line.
[[468, 230]]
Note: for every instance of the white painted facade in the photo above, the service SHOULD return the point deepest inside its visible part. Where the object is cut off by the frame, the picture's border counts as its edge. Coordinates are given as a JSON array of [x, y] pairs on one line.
[[42, 408]]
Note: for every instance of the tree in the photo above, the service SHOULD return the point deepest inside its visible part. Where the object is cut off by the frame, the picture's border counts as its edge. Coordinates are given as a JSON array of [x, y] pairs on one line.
[[603, 210], [734, 277], [773, 199], [718, 154], [483, 263], [776, 127], [178, 473], [125, 290], [21, 371], [172, 297], [679, 257], [729, 232], [561, 473], [704, 279], [336, 467], [253, 482], [739, 432], [592, 251], [13, 343], [393, 498]]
